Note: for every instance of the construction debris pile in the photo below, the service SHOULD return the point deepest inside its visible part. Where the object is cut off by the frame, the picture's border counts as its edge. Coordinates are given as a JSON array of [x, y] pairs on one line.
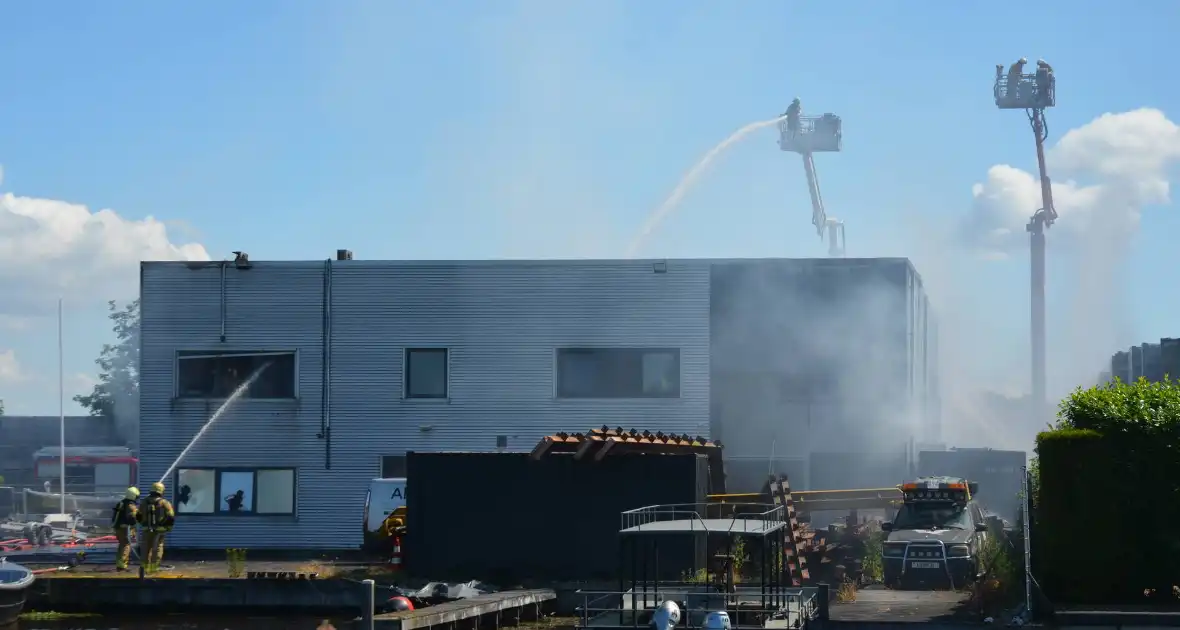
[[842, 553], [846, 550]]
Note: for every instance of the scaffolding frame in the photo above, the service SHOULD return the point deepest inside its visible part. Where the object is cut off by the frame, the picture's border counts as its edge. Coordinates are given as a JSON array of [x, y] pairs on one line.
[[770, 602]]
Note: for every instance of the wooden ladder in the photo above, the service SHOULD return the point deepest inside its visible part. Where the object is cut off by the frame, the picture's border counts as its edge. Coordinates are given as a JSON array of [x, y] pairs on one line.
[[780, 493]]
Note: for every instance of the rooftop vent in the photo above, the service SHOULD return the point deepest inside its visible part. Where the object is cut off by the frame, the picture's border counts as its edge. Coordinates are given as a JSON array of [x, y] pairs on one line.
[[343, 254]]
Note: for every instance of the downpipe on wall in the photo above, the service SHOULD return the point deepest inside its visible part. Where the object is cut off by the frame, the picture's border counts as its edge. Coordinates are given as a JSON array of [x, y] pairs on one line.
[[224, 307], [326, 369]]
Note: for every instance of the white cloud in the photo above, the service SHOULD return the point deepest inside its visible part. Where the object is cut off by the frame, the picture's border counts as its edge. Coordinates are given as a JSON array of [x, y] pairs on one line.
[[10, 368], [50, 248], [1106, 172]]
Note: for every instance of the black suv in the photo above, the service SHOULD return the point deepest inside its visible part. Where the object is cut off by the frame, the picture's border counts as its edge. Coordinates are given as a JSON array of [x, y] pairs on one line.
[[935, 539]]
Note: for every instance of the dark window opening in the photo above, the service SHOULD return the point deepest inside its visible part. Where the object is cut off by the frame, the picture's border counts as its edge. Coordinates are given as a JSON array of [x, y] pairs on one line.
[[426, 373], [618, 373], [204, 375], [393, 466], [501, 441]]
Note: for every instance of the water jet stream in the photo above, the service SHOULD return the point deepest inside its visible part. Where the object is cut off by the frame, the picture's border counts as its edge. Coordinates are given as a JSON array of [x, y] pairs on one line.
[[688, 180], [233, 397]]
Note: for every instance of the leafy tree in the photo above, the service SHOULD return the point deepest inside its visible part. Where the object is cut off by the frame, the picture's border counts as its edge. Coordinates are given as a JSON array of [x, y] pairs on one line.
[[1143, 407], [117, 393]]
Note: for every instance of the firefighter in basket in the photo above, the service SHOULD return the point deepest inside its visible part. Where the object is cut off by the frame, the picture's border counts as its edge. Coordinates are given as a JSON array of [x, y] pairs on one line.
[[123, 521], [157, 517]]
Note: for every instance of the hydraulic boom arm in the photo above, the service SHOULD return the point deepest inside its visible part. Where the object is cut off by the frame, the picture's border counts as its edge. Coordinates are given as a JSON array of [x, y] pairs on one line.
[[818, 216]]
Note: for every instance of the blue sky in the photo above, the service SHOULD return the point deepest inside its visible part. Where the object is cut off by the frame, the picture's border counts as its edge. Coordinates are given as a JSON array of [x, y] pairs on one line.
[[446, 129]]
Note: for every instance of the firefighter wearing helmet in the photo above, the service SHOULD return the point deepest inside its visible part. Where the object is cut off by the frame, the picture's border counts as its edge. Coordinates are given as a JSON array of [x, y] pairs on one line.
[[123, 521], [157, 517]]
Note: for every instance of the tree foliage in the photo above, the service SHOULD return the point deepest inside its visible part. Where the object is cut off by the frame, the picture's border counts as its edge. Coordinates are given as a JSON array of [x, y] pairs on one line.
[[116, 395], [1141, 407], [1111, 464]]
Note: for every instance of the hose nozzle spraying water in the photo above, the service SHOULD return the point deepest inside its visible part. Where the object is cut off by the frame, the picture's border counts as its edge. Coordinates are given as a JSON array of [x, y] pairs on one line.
[[233, 397]]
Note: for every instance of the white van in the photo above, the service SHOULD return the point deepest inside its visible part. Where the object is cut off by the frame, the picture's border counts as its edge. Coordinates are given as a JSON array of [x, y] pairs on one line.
[[384, 496]]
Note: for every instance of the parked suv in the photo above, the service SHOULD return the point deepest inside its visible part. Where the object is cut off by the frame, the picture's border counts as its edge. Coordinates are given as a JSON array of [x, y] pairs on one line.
[[934, 540]]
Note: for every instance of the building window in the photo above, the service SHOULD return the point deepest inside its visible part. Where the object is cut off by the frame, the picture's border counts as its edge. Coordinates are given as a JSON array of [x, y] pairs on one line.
[[218, 375], [237, 491], [618, 373], [393, 466], [426, 373]]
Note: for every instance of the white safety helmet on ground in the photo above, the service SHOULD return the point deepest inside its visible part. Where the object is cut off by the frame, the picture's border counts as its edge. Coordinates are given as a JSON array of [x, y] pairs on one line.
[[716, 621], [666, 616]]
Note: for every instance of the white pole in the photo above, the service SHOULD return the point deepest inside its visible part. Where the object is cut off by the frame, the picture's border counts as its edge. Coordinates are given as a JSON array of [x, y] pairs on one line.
[[61, 406]]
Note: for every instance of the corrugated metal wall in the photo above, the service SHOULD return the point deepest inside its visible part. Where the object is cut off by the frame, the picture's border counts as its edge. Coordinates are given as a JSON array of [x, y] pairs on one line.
[[505, 517], [274, 306], [814, 354], [501, 320]]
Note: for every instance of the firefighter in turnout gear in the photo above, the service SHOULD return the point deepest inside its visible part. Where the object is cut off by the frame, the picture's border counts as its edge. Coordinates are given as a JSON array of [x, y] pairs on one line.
[[123, 521], [157, 517]]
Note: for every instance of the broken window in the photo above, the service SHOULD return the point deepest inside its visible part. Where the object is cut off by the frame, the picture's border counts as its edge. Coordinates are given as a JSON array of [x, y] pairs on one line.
[[206, 375]]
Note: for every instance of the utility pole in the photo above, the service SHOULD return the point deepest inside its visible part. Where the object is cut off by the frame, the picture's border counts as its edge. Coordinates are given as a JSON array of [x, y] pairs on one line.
[[1034, 92]]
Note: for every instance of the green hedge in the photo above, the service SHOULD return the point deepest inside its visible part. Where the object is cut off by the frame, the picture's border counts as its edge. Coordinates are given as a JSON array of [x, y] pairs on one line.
[[1108, 495], [1075, 481]]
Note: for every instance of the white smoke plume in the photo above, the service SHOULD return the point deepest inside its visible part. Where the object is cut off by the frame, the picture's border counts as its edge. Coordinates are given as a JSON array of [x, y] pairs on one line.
[[1105, 174]]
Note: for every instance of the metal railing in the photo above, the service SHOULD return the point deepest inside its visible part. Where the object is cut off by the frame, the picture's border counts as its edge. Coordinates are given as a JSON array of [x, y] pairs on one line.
[[34, 504], [813, 124], [1025, 91], [738, 515], [747, 607]]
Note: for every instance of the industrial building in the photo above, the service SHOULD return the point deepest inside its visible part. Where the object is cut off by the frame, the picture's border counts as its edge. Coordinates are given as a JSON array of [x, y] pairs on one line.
[[823, 369], [21, 437], [1152, 361]]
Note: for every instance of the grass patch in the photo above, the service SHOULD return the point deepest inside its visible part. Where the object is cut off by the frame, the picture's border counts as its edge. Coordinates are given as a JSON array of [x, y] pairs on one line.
[[999, 587], [550, 623], [235, 560], [55, 616], [321, 569], [846, 592]]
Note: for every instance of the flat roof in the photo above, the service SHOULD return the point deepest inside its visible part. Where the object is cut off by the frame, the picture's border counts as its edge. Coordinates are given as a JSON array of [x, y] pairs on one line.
[[819, 262], [748, 526]]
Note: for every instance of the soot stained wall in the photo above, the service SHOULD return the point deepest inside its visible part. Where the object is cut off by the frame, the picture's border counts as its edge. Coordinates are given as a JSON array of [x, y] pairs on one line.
[[505, 517]]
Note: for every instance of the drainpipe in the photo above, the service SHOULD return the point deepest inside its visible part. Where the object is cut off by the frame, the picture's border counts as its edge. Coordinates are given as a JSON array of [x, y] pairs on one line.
[[326, 368], [224, 263]]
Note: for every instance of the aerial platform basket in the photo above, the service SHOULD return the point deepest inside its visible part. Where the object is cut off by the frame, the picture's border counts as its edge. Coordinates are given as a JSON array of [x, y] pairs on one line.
[[1026, 91], [816, 134]]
